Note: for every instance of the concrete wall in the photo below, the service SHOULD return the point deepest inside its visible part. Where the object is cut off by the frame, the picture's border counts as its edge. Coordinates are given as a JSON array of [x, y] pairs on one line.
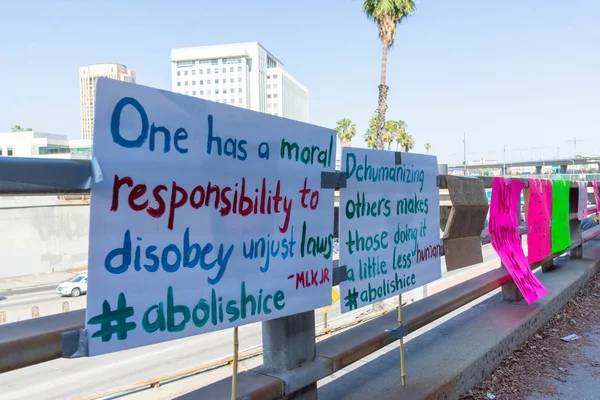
[[42, 234]]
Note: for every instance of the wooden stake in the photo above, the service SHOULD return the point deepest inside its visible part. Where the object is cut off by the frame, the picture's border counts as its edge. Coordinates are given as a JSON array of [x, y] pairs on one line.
[[402, 369], [236, 346]]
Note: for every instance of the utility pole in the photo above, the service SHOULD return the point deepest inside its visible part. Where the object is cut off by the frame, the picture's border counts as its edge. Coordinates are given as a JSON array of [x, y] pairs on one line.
[[504, 163], [575, 140], [465, 153]]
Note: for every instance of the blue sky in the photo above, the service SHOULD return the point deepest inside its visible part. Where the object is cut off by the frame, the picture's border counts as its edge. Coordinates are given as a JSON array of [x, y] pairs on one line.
[[522, 74]]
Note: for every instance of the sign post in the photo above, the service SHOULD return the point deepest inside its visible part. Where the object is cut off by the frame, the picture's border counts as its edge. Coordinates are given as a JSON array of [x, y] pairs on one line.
[[402, 366], [334, 299], [236, 346]]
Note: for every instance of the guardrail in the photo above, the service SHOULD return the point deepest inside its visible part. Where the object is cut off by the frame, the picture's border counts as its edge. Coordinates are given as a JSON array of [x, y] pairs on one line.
[[293, 361]]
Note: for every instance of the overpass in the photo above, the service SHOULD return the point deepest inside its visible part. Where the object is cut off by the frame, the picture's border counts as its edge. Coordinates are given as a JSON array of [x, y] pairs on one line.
[[563, 163], [294, 361]]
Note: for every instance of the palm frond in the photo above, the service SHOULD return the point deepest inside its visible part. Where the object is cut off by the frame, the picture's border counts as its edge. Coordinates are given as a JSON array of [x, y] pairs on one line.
[[388, 14]]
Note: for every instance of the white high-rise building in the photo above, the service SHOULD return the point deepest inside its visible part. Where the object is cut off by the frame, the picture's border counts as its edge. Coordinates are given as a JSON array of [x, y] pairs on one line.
[[243, 74], [87, 90]]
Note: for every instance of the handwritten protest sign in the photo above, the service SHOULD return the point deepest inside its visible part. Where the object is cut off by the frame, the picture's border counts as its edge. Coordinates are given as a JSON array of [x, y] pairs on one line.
[[505, 238], [488, 194], [539, 214], [389, 225], [596, 194], [582, 211], [561, 234], [209, 216]]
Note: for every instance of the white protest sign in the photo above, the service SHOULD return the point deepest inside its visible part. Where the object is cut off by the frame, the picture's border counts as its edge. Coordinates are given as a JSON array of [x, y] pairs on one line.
[[389, 225], [582, 211], [208, 217]]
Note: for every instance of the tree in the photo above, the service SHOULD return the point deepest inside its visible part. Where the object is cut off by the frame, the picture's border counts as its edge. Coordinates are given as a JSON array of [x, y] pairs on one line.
[[17, 128], [408, 142], [427, 147], [402, 137], [387, 15], [392, 130], [399, 131], [345, 130], [389, 130], [370, 134]]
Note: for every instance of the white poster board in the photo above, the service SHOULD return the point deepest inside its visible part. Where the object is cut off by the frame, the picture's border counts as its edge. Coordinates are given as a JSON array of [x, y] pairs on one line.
[[389, 225], [208, 217], [582, 211]]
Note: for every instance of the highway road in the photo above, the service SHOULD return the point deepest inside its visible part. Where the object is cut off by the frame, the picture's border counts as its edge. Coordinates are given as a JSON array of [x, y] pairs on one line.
[[75, 378], [18, 306]]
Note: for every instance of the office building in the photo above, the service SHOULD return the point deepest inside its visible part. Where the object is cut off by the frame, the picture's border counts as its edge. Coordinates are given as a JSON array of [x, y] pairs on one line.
[[87, 90], [40, 144], [244, 75]]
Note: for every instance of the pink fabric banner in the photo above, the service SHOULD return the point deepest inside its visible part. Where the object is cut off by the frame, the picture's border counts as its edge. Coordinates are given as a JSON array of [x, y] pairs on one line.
[[539, 216], [582, 211], [596, 195], [505, 238]]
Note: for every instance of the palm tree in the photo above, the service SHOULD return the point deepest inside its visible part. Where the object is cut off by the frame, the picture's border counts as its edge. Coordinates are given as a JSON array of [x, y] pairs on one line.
[[346, 131], [427, 147], [408, 143], [399, 131], [389, 130], [370, 135], [17, 128], [387, 15]]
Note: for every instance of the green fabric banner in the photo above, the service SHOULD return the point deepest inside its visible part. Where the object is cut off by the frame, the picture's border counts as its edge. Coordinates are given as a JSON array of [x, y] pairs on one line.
[[561, 235]]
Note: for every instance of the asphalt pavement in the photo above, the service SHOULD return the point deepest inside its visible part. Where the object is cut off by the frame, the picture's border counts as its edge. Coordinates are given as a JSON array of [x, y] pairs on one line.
[[18, 305], [36, 289]]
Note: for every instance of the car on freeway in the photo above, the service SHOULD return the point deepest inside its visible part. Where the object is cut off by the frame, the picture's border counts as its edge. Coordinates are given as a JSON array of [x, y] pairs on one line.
[[73, 287]]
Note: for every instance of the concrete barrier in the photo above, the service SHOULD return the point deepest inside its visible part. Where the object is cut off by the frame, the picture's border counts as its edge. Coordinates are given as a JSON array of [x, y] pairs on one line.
[[42, 235]]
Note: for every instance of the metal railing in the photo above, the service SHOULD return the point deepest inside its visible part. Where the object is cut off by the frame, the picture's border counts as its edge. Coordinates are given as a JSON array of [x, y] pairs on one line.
[[571, 176], [41, 339]]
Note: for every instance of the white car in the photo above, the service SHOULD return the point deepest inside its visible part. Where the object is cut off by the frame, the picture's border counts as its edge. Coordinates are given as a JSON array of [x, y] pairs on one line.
[[73, 287]]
